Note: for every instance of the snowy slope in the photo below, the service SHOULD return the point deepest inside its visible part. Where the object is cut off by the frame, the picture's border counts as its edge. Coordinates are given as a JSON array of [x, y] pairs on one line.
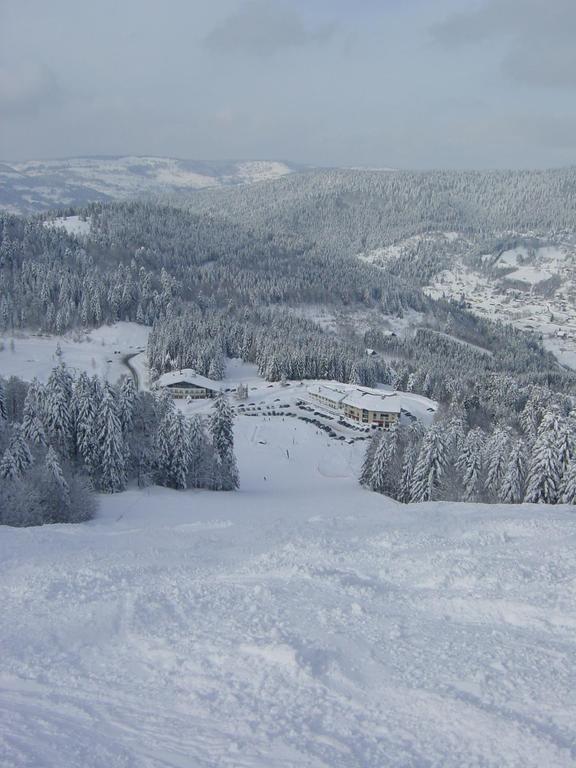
[[301, 622], [100, 351], [37, 185]]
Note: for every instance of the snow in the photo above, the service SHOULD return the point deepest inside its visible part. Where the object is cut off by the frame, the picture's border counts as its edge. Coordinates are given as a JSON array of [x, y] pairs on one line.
[[73, 225], [301, 621], [101, 351], [190, 376]]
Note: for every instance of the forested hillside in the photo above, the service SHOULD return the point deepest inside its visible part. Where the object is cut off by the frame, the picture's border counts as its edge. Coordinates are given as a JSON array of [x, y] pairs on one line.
[[348, 211]]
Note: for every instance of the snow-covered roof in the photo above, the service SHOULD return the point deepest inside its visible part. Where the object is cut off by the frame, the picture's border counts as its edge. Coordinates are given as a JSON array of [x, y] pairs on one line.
[[335, 393], [359, 397], [371, 401], [188, 376]]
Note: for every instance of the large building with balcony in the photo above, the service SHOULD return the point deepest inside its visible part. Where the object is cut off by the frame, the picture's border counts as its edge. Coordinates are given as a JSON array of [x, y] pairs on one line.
[[362, 404]]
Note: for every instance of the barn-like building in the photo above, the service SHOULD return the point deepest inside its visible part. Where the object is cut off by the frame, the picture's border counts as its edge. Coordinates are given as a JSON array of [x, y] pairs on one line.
[[187, 383]]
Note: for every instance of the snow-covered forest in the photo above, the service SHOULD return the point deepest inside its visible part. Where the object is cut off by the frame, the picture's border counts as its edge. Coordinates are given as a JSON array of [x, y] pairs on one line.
[[61, 441]]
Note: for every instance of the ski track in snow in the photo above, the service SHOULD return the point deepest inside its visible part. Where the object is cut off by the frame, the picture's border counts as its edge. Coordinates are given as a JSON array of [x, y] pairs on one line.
[[299, 622]]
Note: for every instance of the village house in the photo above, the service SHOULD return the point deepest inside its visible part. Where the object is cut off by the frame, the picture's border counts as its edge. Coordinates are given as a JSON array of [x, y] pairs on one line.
[[363, 404], [187, 383]]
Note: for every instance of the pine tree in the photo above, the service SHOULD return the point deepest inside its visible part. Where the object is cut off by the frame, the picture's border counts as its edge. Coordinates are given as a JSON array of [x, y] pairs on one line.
[[197, 447], [470, 463], [20, 451], [85, 432], [111, 447], [54, 470], [58, 400], [127, 404], [8, 466], [366, 471], [3, 413], [408, 467], [179, 451], [545, 470], [569, 484], [32, 426], [430, 465], [222, 426], [512, 487], [497, 452], [383, 479]]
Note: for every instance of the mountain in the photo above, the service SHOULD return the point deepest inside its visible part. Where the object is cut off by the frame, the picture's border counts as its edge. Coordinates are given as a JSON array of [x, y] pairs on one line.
[[38, 185]]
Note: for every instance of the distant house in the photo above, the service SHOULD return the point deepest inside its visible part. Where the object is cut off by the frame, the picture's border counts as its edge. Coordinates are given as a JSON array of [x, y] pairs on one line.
[[187, 383], [362, 404]]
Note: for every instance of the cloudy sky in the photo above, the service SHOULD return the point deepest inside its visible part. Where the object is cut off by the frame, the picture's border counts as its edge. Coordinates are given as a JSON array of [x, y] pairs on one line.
[[400, 83]]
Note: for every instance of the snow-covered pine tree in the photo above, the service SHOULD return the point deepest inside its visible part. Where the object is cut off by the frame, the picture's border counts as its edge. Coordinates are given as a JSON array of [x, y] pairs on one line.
[[511, 489], [366, 471], [20, 451], [54, 470], [32, 426], [57, 404], [179, 451], [408, 467], [197, 445], [545, 468], [430, 465], [567, 442], [8, 466], [533, 412], [568, 495], [222, 433], [383, 478], [85, 432], [222, 426], [126, 404], [3, 413], [111, 449], [470, 463], [496, 457]]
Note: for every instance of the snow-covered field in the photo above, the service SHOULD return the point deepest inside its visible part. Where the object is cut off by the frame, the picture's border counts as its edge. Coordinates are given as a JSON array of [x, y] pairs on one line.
[[299, 622], [99, 351], [74, 225]]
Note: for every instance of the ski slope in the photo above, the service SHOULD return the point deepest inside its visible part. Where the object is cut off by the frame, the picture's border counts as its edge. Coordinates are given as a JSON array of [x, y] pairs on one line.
[[301, 622]]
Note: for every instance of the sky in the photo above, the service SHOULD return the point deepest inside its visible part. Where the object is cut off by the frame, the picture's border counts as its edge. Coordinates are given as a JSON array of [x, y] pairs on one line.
[[368, 83]]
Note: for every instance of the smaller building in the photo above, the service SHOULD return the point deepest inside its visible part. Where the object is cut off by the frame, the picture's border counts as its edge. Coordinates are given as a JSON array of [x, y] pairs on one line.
[[187, 383]]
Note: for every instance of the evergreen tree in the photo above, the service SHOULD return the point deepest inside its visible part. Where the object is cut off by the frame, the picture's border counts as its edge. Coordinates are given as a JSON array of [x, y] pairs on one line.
[[384, 478], [54, 470], [366, 471], [179, 451], [569, 484], [3, 413], [430, 465], [20, 451], [470, 463], [408, 467], [497, 454], [57, 403], [112, 454], [32, 426], [545, 470], [127, 403], [512, 487], [8, 466]]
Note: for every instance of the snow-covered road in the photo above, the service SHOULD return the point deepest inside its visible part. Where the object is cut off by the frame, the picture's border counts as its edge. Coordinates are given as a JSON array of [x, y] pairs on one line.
[[301, 622]]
